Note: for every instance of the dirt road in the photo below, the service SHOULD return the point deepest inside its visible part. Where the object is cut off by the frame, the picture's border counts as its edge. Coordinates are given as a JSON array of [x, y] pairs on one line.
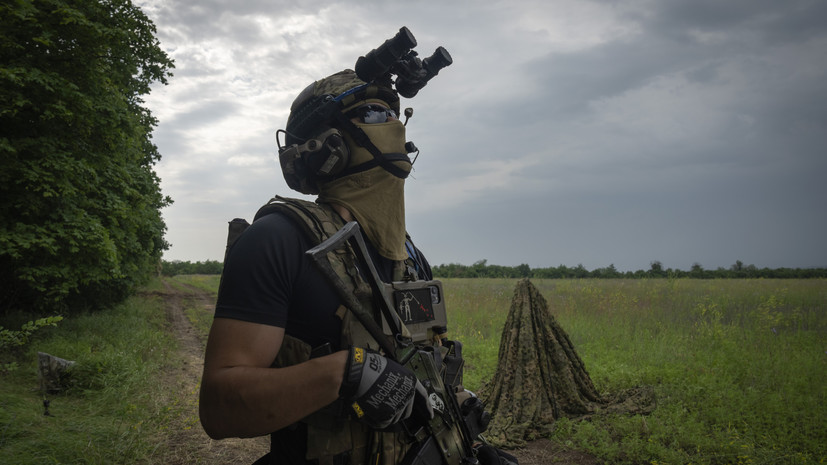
[[188, 444]]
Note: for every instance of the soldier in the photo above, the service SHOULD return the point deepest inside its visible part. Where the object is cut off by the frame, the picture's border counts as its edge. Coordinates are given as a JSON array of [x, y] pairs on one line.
[[285, 355]]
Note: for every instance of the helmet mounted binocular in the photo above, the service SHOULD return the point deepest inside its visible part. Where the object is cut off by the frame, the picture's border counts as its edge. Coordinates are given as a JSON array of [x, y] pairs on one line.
[[397, 57]]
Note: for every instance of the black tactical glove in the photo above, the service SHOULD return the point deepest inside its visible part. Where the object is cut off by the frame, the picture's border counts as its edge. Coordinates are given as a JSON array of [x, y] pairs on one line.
[[381, 392], [490, 455]]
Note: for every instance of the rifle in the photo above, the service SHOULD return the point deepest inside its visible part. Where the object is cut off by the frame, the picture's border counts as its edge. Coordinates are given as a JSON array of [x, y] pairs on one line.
[[447, 438]]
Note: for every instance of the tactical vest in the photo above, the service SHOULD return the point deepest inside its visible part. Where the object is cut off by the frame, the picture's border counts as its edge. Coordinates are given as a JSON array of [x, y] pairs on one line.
[[330, 431]]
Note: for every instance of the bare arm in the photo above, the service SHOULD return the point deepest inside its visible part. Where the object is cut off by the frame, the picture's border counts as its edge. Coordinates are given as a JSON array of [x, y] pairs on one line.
[[241, 396]]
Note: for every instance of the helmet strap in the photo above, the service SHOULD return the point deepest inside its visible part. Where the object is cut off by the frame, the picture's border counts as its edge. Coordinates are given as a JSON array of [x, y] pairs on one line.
[[379, 158]]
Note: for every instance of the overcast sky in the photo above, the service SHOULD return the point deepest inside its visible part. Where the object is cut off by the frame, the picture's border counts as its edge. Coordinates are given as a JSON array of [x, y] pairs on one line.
[[566, 132]]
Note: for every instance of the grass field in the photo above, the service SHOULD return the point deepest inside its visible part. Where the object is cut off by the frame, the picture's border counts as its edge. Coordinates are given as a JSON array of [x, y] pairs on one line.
[[114, 411], [739, 368]]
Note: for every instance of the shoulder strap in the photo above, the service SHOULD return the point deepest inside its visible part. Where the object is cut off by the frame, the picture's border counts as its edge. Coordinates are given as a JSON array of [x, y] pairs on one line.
[[318, 221]]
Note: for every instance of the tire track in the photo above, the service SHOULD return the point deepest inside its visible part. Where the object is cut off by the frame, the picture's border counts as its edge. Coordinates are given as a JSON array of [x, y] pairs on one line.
[[186, 441]]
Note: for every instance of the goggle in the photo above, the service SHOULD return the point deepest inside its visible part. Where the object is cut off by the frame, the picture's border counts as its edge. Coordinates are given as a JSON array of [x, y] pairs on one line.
[[372, 113]]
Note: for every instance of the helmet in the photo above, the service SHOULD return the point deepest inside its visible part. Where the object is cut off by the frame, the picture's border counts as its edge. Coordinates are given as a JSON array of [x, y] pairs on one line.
[[315, 149], [310, 111]]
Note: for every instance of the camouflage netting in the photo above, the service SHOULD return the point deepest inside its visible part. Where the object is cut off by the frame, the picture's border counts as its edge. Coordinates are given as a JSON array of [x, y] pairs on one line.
[[52, 372], [540, 377]]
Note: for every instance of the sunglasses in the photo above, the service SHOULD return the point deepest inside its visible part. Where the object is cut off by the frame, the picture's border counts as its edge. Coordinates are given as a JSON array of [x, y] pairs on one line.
[[372, 113]]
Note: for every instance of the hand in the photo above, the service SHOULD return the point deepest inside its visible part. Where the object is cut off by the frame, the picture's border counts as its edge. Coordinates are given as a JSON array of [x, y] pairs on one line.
[[381, 392], [490, 455]]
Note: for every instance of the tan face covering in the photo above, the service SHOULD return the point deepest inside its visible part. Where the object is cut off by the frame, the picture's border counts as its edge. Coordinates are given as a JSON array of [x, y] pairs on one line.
[[375, 197]]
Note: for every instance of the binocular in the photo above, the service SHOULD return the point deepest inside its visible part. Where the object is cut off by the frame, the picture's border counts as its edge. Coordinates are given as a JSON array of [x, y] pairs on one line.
[[397, 57]]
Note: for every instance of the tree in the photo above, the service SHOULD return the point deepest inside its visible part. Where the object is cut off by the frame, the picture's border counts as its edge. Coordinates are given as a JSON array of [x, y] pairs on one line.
[[478, 269], [656, 269], [79, 199], [608, 272], [523, 270], [580, 271]]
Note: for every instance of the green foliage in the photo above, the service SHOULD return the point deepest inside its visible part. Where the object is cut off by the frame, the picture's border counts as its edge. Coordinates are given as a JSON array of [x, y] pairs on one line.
[[178, 267], [80, 204], [12, 341], [116, 409]]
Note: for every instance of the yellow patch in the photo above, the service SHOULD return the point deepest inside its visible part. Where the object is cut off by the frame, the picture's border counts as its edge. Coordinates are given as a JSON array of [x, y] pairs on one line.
[[356, 408], [358, 355]]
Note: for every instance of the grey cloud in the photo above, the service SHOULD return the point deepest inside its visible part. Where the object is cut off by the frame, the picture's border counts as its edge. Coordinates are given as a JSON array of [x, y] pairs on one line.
[[737, 179], [799, 22], [573, 79], [771, 21], [568, 83], [190, 65], [198, 19], [713, 227], [209, 112]]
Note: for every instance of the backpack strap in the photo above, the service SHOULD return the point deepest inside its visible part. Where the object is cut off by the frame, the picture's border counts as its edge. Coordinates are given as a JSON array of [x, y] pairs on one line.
[[317, 221]]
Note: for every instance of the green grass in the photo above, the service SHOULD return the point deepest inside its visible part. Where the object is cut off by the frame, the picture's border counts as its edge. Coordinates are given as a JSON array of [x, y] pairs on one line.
[[206, 282], [739, 369], [114, 409], [739, 366], [200, 319]]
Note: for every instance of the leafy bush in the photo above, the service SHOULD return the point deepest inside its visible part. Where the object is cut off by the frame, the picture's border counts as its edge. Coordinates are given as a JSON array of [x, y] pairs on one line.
[[12, 341]]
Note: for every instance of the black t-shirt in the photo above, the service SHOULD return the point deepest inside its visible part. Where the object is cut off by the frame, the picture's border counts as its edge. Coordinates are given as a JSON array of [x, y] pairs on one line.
[[268, 279]]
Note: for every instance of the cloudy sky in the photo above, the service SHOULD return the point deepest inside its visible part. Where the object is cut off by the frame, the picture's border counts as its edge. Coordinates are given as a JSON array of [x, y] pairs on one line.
[[566, 131]]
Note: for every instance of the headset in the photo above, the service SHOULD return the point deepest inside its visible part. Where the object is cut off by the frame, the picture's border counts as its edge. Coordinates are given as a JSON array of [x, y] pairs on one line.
[[318, 159]]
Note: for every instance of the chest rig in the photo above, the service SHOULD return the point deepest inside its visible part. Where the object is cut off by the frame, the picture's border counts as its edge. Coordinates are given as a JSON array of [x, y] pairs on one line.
[[405, 318], [330, 432]]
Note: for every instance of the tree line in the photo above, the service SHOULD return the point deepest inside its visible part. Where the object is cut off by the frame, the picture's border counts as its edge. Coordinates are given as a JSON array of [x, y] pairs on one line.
[[80, 202], [176, 267], [482, 269]]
